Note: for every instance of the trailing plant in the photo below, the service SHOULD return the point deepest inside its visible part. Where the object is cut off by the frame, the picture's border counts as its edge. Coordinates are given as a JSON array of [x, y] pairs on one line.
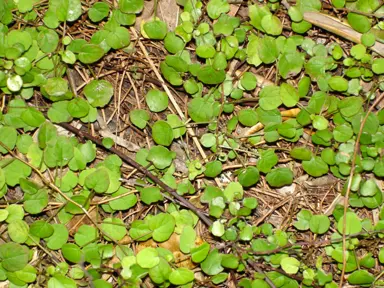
[[65, 199]]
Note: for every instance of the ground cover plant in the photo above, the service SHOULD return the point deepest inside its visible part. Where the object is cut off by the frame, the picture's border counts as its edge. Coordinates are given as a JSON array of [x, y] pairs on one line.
[[191, 143]]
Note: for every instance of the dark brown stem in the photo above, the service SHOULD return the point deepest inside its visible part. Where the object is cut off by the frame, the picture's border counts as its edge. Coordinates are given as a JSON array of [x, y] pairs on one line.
[[140, 168]]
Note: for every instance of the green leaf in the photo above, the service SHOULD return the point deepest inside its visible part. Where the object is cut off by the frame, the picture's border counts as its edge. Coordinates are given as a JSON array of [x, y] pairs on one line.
[[289, 95], [32, 117], [290, 64], [187, 239], [234, 191], [308, 5], [162, 226], [85, 235], [123, 203], [342, 133], [139, 118], [267, 160], [369, 188], [201, 109], [181, 276], [248, 176], [212, 264], [98, 11], [14, 171], [338, 83], [272, 25], [301, 153], [140, 230], [41, 229], [178, 126], [360, 23], [315, 167], [131, 6], [290, 265], [18, 231], [213, 169], [98, 92], [353, 224], [72, 253], [47, 40], [56, 89], [114, 228], [248, 81], [320, 122], [208, 75], [173, 43], [14, 256], [248, 117], [303, 218], [35, 203], [162, 133], [156, 100], [61, 281], [108, 142], [270, 97], [319, 224], [118, 38], [58, 238], [377, 66], [217, 7], [78, 107], [8, 136], [199, 253], [280, 177], [155, 29], [267, 50], [148, 258], [161, 157], [160, 273], [14, 83], [99, 180], [361, 277], [58, 112], [150, 195], [350, 106], [91, 53]]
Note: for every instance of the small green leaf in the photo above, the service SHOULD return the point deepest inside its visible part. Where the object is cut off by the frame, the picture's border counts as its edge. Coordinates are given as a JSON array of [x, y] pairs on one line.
[[280, 177], [155, 29], [212, 264], [361, 278], [315, 167], [377, 66], [248, 176], [72, 252], [14, 256], [272, 25], [162, 133], [290, 265], [289, 95], [98, 11], [91, 53], [113, 227], [162, 226], [181, 276], [131, 6], [248, 117], [139, 117], [98, 92], [353, 224], [148, 258], [156, 100], [319, 224]]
